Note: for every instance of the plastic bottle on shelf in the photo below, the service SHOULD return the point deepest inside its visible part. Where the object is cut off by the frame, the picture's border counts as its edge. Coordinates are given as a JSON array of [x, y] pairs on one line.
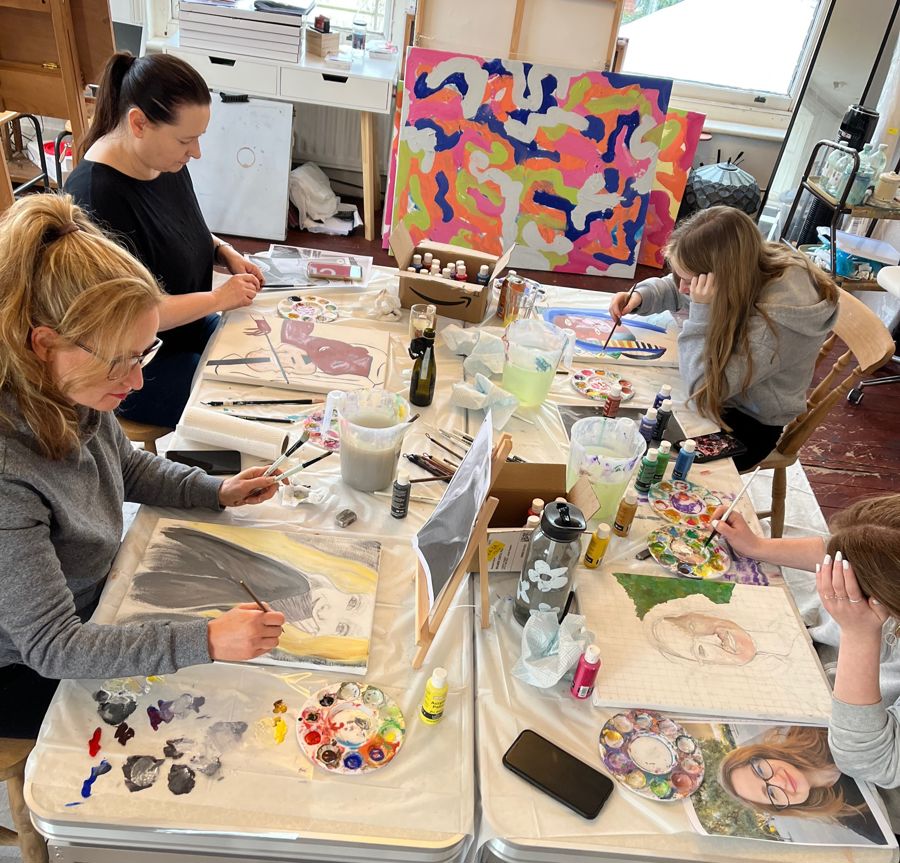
[[878, 160], [831, 170]]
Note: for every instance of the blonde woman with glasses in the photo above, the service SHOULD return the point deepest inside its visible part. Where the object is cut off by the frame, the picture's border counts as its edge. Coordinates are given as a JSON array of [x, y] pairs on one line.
[[758, 313], [78, 322]]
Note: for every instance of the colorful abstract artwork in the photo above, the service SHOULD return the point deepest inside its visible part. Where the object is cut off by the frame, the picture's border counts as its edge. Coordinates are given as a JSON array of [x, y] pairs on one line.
[[324, 586], [705, 648], [265, 348], [681, 135], [560, 162]]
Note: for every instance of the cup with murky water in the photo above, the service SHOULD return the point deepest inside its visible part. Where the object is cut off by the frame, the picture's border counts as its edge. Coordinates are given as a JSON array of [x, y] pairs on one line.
[[373, 423]]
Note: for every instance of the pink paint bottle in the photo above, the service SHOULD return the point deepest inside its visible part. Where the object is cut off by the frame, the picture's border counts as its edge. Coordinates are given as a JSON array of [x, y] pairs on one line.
[[586, 672]]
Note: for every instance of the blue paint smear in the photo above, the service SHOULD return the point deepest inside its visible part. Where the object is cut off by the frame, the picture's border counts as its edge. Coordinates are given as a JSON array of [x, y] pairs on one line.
[[521, 150], [596, 129], [625, 124], [495, 67], [99, 770], [443, 185], [456, 80], [663, 86], [442, 140], [611, 179]]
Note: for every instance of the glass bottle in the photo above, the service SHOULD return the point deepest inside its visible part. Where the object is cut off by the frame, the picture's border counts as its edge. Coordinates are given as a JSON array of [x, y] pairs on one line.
[[878, 161], [360, 28], [424, 373], [553, 554]]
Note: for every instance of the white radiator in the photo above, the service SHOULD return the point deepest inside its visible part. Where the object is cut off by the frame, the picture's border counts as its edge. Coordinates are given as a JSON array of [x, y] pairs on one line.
[[330, 137]]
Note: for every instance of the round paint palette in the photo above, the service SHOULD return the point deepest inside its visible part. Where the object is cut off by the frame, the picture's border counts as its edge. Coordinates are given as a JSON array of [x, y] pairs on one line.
[[651, 755], [350, 727], [308, 308], [596, 384], [683, 502], [312, 423], [682, 550]]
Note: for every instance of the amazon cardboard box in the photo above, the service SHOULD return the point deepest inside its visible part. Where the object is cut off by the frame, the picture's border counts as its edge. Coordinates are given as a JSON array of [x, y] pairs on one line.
[[465, 301]]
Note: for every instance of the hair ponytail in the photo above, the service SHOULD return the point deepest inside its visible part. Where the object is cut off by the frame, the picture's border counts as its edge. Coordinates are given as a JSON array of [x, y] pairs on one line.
[[158, 84], [59, 270]]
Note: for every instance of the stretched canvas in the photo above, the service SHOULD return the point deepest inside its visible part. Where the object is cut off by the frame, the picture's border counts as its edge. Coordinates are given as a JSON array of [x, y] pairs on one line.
[[824, 806], [561, 162], [264, 348], [681, 135], [324, 586], [703, 648]]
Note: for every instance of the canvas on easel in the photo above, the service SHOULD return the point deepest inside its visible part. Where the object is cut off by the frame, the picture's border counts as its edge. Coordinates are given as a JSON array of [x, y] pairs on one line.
[[452, 542]]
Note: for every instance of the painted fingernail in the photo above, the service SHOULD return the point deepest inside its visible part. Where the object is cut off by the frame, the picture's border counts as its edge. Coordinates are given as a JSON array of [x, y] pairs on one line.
[[846, 565], [838, 557], [826, 560], [818, 568]]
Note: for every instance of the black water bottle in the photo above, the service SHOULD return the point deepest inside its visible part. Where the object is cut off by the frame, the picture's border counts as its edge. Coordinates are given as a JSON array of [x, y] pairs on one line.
[[424, 373]]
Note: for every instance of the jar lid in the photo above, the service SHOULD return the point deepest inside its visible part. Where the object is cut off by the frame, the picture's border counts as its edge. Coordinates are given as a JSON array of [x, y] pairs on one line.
[[562, 521]]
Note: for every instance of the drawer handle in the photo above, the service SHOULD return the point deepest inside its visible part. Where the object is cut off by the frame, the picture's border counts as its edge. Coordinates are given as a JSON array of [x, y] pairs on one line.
[[221, 61], [337, 79]]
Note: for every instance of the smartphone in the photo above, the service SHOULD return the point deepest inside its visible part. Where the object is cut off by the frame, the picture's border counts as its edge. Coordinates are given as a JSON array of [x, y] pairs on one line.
[[711, 447], [216, 462], [557, 773], [333, 270]]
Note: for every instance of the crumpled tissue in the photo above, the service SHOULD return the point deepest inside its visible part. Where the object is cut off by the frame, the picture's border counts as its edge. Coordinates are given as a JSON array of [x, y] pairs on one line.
[[460, 340], [487, 357], [550, 649], [484, 394], [386, 307]]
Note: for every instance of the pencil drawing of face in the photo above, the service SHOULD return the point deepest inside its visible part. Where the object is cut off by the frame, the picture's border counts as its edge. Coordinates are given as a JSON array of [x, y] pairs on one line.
[[704, 639]]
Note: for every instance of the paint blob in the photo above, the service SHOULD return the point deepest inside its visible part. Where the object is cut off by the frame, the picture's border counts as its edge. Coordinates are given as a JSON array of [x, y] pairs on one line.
[[651, 754], [279, 707], [115, 707], [225, 735], [206, 764], [684, 503], [94, 743], [124, 733], [99, 770], [684, 550], [597, 384], [177, 747], [181, 779], [141, 771]]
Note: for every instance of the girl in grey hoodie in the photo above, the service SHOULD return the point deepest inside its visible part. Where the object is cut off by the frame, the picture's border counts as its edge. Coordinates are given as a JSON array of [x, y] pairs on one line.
[[758, 313]]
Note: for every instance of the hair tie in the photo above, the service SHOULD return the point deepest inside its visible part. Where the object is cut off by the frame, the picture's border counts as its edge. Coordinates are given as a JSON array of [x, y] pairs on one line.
[[68, 229], [51, 235]]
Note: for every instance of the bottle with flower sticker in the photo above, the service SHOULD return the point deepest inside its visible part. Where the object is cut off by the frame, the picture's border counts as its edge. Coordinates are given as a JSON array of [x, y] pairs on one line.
[[553, 554]]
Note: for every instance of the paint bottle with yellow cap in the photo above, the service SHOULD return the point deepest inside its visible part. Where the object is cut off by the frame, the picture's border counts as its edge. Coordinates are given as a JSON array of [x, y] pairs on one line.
[[432, 710]]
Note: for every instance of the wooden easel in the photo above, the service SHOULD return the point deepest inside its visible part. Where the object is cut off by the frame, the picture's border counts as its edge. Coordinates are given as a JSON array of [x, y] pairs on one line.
[[51, 51], [428, 622]]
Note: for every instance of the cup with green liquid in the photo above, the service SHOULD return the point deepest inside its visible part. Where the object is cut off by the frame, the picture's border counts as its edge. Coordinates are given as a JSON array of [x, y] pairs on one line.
[[533, 352]]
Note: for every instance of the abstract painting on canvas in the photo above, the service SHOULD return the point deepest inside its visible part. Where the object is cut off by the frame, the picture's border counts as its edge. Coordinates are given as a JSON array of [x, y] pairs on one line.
[[561, 162], [324, 586]]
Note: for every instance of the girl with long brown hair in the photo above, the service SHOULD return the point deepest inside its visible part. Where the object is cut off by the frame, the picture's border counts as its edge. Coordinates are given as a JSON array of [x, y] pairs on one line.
[[134, 182], [758, 314], [78, 323]]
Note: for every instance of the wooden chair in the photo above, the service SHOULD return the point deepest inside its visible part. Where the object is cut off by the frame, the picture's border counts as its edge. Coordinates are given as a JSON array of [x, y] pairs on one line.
[[143, 433], [13, 754], [869, 346]]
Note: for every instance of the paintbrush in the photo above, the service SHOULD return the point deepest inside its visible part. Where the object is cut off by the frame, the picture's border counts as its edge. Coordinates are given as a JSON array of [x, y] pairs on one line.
[[294, 470], [413, 418], [287, 454], [730, 509], [227, 403], [431, 479], [616, 323], [253, 596], [567, 606], [262, 419], [436, 442]]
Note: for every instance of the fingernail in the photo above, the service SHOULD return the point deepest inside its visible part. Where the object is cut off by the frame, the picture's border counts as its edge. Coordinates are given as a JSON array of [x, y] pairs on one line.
[[818, 568], [874, 601], [714, 523], [846, 565], [838, 557], [826, 560]]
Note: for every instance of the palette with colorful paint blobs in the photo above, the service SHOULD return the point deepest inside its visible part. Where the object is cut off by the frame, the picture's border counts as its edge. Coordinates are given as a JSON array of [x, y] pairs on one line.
[[597, 383], [683, 502], [652, 755], [683, 551], [312, 428], [351, 727], [308, 307]]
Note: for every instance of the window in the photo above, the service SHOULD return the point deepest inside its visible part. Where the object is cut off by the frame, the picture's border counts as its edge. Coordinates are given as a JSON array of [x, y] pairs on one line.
[[738, 51], [342, 13]]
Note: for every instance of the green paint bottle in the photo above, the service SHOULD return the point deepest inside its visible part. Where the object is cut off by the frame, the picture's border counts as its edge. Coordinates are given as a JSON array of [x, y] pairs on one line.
[[662, 461], [647, 471]]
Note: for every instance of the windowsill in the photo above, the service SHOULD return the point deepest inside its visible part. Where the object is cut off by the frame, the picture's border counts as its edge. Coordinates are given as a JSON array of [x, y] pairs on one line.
[[744, 130]]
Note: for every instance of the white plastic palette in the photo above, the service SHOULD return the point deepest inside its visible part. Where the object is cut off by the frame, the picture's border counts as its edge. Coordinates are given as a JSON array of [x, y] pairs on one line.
[[308, 307], [597, 383]]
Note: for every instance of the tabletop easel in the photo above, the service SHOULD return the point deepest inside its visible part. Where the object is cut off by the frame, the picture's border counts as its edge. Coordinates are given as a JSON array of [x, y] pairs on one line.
[[474, 559], [51, 51]]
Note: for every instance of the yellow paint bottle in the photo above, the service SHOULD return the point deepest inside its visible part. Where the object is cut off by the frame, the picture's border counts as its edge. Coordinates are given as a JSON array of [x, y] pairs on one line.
[[597, 546], [432, 710]]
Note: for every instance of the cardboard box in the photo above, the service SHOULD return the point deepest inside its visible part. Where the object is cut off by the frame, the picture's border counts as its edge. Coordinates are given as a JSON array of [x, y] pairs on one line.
[[465, 301], [518, 483], [319, 44]]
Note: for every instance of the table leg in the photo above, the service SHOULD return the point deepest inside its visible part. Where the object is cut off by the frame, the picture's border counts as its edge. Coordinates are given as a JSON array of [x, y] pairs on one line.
[[369, 171]]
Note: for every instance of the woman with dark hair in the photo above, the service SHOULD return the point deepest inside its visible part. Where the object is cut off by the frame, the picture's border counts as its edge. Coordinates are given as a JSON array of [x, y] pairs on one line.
[[133, 180]]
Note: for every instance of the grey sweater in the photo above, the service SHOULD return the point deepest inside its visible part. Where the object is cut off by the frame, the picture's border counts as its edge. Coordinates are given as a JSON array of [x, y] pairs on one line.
[[865, 743], [783, 354], [60, 528]]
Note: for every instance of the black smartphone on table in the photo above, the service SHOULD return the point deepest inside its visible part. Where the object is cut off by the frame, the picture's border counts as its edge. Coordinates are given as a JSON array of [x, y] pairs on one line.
[[558, 773], [216, 462], [711, 447]]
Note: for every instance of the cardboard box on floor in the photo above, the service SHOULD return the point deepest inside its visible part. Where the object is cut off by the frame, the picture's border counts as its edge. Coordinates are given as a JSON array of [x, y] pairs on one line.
[[465, 301]]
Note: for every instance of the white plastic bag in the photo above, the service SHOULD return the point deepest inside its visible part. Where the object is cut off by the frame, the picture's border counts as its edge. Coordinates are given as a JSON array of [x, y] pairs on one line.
[[311, 193]]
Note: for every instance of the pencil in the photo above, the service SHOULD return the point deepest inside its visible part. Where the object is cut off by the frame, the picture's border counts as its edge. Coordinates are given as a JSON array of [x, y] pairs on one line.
[[253, 596], [616, 323], [730, 509], [227, 403]]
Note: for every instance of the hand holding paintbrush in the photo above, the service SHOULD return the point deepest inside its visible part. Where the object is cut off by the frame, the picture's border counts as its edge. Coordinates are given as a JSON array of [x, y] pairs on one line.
[[714, 524], [620, 305]]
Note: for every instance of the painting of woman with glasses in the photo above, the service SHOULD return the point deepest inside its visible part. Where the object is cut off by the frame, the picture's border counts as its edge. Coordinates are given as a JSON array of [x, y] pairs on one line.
[[781, 783]]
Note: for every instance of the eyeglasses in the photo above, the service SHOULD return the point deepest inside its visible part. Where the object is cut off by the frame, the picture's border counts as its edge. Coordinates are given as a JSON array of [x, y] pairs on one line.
[[121, 367], [777, 795]]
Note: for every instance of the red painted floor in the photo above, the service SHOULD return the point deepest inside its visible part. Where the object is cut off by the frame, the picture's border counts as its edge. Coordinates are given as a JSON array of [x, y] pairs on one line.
[[855, 453]]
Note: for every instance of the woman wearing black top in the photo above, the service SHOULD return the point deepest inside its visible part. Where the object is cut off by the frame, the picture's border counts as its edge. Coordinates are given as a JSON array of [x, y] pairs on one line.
[[133, 180]]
